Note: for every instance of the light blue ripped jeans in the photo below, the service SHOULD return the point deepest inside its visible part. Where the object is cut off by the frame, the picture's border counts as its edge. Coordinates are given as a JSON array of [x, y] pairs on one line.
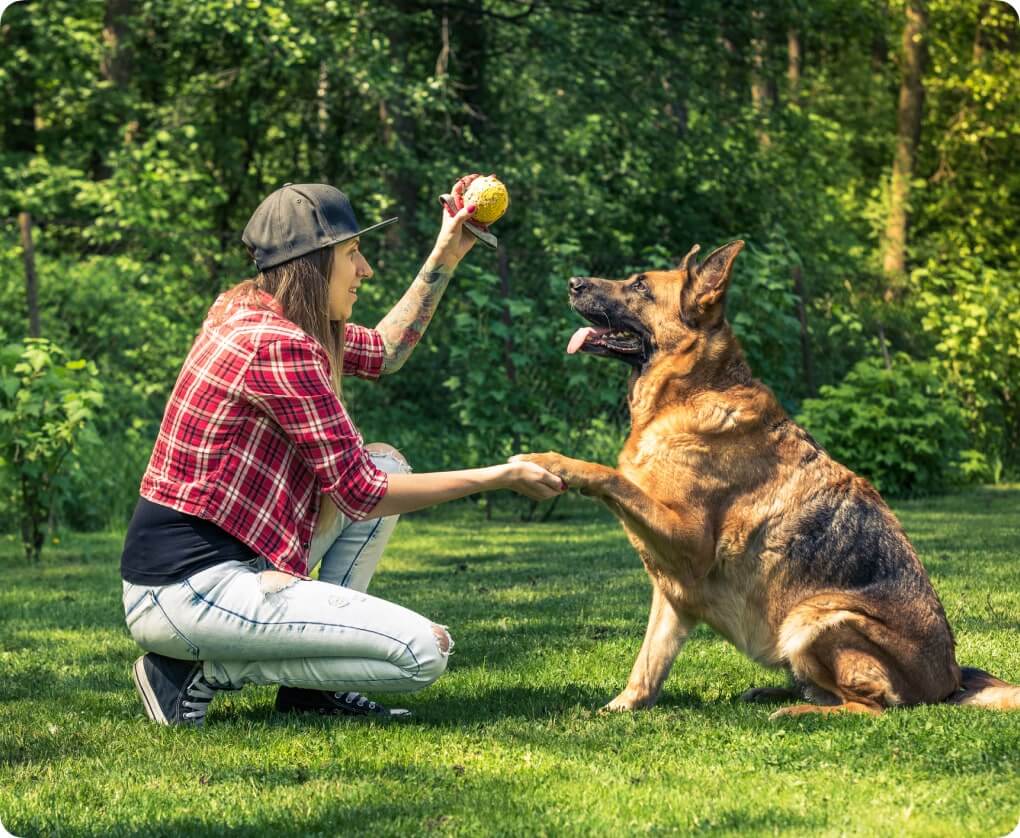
[[248, 627]]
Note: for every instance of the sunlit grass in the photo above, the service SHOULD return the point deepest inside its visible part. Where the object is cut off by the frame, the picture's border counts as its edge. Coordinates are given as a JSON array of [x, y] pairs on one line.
[[547, 618]]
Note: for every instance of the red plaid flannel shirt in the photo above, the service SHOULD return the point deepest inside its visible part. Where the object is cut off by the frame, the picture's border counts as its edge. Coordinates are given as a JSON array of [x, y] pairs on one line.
[[253, 431]]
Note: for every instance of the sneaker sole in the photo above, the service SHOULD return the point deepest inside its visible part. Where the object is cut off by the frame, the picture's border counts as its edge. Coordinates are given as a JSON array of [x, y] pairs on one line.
[[152, 708], [370, 717]]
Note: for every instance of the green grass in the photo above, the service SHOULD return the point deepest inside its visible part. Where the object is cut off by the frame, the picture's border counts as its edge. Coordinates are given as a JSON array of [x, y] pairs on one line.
[[547, 619]]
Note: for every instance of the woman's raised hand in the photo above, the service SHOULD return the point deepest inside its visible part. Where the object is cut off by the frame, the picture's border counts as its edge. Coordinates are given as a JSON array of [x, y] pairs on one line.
[[454, 241]]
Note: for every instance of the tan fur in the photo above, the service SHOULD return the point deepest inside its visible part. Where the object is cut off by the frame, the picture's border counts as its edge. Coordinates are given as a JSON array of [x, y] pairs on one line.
[[744, 523]]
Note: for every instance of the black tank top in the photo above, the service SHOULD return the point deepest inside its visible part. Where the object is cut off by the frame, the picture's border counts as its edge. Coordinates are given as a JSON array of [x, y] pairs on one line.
[[164, 546]]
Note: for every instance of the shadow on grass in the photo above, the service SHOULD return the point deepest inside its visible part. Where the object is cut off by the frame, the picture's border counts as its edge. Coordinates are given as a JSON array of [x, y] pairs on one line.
[[485, 706], [446, 813]]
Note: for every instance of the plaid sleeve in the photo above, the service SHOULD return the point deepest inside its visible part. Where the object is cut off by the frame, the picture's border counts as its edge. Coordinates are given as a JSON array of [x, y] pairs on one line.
[[363, 351], [288, 380]]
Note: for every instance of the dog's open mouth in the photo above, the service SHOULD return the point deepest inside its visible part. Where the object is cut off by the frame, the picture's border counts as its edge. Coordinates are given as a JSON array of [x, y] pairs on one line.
[[604, 341]]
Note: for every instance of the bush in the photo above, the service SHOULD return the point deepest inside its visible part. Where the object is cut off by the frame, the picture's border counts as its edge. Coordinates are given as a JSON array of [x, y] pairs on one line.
[[46, 402], [898, 427], [973, 311]]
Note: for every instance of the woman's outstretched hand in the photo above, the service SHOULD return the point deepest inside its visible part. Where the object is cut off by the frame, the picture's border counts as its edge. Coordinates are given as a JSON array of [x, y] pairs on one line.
[[533, 481], [408, 492]]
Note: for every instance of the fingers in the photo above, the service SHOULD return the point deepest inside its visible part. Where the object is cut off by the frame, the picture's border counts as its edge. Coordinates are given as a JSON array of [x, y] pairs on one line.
[[554, 481], [460, 186], [540, 493], [464, 214], [546, 482]]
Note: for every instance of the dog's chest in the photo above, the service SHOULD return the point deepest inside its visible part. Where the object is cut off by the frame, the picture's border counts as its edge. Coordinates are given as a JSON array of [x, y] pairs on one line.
[[731, 604], [731, 598]]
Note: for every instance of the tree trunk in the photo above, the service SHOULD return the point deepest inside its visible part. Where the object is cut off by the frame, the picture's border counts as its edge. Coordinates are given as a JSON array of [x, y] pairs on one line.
[[19, 129], [322, 122], [399, 132], [793, 59], [879, 52], [470, 53], [805, 335], [508, 341], [908, 133], [675, 107], [32, 535], [762, 91], [673, 84], [116, 63], [31, 284]]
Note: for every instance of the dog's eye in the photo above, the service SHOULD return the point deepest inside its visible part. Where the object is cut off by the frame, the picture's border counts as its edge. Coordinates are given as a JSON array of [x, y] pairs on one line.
[[639, 285]]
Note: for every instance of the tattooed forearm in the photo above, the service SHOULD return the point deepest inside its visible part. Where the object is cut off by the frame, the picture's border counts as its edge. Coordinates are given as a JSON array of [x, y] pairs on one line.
[[403, 327]]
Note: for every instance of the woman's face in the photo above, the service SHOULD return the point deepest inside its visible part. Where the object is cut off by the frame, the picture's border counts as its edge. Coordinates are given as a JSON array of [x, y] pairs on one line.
[[349, 269]]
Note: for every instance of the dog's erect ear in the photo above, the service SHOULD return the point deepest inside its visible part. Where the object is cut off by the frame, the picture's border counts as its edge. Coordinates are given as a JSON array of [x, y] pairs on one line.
[[689, 260], [706, 288]]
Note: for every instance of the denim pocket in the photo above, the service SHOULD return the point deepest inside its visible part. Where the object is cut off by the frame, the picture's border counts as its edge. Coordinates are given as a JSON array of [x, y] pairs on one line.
[[153, 628]]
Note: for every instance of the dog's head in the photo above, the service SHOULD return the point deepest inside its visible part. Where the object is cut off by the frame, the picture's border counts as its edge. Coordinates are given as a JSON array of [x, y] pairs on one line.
[[656, 311]]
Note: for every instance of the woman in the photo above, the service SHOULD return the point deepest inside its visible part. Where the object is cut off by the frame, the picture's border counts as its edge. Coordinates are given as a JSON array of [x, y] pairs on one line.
[[228, 525]]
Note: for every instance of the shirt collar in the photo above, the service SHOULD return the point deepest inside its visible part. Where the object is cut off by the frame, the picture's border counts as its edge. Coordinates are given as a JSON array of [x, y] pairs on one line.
[[270, 302]]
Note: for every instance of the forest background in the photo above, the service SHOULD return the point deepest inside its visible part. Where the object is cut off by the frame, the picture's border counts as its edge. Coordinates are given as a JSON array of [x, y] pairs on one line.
[[866, 151]]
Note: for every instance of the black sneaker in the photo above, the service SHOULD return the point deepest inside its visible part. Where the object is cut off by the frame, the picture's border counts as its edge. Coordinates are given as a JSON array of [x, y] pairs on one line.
[[173, 691], [295, 700]]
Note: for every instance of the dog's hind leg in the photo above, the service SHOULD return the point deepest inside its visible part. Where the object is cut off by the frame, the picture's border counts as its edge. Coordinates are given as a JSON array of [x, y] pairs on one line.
[[769, 695], [665, 636], [855, 680], [817, 709], [839, 661]]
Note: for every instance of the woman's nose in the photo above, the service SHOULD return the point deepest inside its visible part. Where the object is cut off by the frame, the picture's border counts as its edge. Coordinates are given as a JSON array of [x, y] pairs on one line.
[[366, 269]]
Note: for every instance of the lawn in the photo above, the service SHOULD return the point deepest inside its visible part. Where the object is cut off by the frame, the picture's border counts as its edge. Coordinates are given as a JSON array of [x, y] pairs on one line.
[[547, 619]]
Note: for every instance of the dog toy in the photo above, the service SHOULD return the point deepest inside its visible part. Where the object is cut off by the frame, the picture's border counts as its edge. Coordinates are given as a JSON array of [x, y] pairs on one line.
[[490, 197]]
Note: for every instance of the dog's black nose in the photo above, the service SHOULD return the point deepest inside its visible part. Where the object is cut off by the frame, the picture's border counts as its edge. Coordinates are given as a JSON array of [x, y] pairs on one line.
[[577, 284]]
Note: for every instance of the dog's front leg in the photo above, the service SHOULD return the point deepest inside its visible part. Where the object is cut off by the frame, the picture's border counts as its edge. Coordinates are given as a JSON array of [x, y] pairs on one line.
[[665, 636], [682, 545]]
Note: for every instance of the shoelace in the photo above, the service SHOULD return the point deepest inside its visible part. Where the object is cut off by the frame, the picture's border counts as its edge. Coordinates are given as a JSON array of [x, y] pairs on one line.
[[202, 692], [357, 699]]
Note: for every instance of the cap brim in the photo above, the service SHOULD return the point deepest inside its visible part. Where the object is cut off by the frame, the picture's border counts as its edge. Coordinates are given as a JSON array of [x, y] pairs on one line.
[[364, 230]]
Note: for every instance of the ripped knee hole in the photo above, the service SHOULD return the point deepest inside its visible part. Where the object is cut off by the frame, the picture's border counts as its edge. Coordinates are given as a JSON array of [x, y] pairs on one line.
[[443, 639], [388, 450], [274, 581]]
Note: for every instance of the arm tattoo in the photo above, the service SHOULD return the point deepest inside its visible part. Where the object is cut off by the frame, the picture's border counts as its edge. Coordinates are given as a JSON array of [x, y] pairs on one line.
[[403, 327]]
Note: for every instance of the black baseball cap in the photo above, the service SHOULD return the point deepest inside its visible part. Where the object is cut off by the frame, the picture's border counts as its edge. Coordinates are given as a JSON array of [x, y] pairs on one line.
[[299, 218]]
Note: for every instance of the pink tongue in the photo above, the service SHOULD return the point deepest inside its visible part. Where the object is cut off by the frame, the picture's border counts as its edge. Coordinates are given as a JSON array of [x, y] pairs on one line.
[[579, 337]]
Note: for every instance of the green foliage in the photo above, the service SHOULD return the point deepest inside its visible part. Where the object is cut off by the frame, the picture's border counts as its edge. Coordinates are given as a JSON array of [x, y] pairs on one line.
[[46, 405], [900, 427], [761, 307], [625, 132], [964, 288], [973, 312]]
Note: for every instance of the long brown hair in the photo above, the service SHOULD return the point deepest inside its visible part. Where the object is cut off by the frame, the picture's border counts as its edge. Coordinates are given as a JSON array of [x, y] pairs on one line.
[[301, 287]]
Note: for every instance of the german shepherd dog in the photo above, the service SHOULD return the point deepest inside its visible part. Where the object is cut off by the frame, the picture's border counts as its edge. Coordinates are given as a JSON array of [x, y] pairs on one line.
[[742, 521]]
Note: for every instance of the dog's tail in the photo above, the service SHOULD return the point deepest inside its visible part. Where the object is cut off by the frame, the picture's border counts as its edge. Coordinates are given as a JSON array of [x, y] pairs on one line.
[[979, 689]]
